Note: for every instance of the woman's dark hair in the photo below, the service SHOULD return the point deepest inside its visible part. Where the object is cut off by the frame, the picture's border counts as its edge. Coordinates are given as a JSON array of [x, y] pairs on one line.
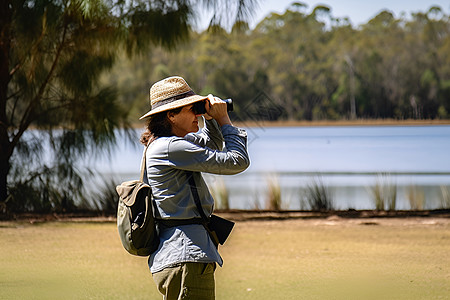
[[157, 126]]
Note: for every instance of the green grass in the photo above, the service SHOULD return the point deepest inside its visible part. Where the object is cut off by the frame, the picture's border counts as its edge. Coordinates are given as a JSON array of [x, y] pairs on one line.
[[318, 196], [294, 259]]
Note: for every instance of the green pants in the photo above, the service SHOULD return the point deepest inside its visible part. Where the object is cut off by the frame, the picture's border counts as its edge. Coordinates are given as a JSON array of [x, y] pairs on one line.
[[187, 281]]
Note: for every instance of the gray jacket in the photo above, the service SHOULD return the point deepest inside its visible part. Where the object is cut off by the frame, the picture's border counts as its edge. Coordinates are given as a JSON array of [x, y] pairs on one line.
[[167, 160]]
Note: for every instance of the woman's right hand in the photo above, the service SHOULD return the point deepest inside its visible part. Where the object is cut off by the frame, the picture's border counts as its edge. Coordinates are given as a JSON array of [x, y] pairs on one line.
[[217, 109]]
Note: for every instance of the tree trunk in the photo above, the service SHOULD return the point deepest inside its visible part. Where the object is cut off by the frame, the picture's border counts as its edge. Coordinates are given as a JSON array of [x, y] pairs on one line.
[[5, 144], [4, 170]]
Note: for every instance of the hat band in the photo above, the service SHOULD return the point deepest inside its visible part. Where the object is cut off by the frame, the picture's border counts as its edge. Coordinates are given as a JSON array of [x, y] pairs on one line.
[[171, 99]]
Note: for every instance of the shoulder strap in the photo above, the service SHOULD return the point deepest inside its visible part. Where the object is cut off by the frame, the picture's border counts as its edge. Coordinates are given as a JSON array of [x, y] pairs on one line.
[[143, 163], [196, 197], [155, 211]]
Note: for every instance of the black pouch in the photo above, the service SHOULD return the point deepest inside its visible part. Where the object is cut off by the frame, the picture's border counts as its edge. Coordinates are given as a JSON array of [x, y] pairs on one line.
[[219, 229]]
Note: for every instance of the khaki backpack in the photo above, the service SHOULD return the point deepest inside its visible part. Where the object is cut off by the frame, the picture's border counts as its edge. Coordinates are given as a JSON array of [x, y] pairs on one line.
[[135, 217]]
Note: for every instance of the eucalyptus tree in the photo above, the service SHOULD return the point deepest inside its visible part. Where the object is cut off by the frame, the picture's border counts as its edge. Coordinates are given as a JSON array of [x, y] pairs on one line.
[[299, 65], [429, 36], [400, 65], [52, 54]]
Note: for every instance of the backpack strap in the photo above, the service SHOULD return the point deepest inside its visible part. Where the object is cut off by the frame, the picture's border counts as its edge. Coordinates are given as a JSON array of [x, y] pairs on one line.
[[143, 163]]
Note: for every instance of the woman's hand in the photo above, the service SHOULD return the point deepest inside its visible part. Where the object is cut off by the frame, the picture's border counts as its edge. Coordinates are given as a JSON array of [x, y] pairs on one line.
[[217, 109]]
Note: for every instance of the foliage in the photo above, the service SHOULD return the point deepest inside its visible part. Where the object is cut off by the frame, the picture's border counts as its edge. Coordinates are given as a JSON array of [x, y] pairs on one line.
[[416, 197], [314, 65], [445, 197], [49, 189], [274, 200], [220, 194], [104, 200], [318, 195], [52, 56], [384, 193]]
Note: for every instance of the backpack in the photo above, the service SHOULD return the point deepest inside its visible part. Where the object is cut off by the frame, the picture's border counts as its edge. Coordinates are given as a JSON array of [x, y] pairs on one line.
[[135, 218]]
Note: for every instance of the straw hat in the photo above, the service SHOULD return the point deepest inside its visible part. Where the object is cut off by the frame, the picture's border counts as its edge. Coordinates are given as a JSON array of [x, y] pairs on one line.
[[170, 93]]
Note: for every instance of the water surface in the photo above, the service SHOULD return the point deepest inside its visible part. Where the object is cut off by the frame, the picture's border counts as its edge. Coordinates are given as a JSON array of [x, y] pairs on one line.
[[346, 159]]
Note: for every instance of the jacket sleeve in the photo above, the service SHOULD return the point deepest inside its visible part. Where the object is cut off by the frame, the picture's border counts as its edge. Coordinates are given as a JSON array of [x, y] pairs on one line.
[[210, 136], [186, 155]]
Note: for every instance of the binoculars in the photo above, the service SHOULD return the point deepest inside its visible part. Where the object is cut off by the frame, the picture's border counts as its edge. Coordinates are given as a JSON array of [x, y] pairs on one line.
[[199, 107]]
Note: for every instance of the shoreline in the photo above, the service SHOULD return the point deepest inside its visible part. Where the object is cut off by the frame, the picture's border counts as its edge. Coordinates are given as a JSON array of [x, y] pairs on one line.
[[246, 215], [330, 123]]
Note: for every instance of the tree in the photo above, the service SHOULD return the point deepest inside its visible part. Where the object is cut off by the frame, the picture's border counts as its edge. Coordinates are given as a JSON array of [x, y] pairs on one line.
[[314, 65], [52, 54]]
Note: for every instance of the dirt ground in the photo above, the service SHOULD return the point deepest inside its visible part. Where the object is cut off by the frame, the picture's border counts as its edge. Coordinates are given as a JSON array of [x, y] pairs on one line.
[[338, 221], [270, 255], [343, 218], [332, 218]]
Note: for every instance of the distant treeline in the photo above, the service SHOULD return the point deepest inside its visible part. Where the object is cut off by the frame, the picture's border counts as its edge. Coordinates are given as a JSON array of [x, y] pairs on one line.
[[309, 66]]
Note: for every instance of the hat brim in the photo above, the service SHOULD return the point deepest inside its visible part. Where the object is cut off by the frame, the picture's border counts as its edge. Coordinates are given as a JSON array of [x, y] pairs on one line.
[[174, 104]]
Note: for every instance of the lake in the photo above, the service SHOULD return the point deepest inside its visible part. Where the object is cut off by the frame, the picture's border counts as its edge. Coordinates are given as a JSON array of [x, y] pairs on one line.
[[347, 160]]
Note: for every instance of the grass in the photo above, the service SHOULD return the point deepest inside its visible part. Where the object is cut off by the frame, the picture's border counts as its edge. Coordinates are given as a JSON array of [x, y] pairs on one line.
[[220, 194], [416, 197], [273, 201], [384, 193], [293, 259], [445, 197], [318, 196]]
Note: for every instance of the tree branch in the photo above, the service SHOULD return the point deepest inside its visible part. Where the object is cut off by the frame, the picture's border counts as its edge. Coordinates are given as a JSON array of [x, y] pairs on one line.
[[29, 116], [33, 46]]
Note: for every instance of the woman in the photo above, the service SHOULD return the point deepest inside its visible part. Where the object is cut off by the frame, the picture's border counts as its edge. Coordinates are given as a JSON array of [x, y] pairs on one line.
[[183, 266]]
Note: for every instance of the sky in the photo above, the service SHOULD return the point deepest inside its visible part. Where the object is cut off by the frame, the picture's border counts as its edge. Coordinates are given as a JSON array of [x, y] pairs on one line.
[[358, 11]]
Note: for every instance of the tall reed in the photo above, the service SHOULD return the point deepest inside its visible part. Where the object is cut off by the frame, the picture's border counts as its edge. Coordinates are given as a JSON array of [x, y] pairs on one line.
[[445, 197], [220, 194], [384, 192], [318, 195], [273, 193], [416, 197]]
